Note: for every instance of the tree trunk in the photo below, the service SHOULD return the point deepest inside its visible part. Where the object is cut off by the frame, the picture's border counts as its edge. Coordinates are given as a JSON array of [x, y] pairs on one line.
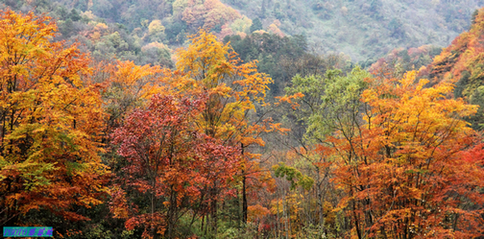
[[213, 209], [244, 199], [244, 191]]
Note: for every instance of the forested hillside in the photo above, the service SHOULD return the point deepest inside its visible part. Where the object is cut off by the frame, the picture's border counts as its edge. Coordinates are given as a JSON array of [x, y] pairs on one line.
[[242, 119], [349, 26], [346, 26], [461, 63]]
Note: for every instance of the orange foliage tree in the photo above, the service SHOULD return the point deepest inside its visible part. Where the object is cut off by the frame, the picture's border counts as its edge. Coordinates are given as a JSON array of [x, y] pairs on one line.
[[402, 170], [49, 123]]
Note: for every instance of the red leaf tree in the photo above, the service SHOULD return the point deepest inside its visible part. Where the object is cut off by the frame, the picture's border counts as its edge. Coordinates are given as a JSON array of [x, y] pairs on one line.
[[169, 162]]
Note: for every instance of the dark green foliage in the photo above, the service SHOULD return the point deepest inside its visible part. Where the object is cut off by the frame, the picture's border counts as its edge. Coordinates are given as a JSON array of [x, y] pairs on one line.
[[256, 25], [477, 98], [474, 15], [461, 84], [74, 15], [66, 28], [272, 52], [396, 28], [282, 57]]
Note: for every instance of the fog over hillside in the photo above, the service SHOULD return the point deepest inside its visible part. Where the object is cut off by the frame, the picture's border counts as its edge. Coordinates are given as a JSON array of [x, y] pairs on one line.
[[361, 29], [365, 29]]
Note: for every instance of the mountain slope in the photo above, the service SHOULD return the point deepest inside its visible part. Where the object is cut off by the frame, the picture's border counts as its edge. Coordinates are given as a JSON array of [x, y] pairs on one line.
[[365, 29], [463, 64], [360, 29]]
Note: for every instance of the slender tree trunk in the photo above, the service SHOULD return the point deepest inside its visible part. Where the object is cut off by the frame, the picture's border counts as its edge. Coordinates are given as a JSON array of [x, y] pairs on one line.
[[213, 209], [321, 208], [244, 191], [152, 212], [244, 199], [203, 220], [357, 223], [286, 217], [278, 223], [171, 213]]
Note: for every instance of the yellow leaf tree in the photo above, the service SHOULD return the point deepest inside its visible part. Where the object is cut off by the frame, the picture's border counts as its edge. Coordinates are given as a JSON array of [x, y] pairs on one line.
[[234, 90], [49, 123]]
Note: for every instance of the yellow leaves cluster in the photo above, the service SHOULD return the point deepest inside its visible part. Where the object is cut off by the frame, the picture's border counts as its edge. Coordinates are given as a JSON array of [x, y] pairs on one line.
[[51, 124], [241, 25], [155, 27], [234, 87], [204, 58], [100, 29], [410, 109]]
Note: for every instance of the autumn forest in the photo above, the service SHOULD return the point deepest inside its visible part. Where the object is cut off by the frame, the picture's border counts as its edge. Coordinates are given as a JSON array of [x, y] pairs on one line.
[[240, 119]]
